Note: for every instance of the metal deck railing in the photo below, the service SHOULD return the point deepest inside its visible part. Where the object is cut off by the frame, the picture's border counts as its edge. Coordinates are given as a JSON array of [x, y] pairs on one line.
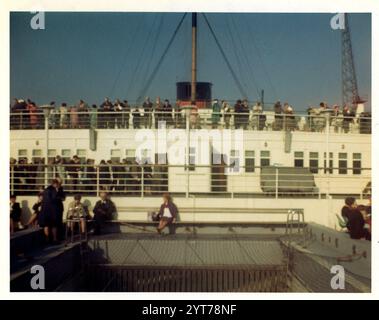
[[152, 180], [203, 119], [187, 279]]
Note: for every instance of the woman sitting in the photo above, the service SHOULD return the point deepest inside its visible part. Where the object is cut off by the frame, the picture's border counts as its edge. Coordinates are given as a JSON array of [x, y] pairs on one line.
[[77, 211], [167, 213]]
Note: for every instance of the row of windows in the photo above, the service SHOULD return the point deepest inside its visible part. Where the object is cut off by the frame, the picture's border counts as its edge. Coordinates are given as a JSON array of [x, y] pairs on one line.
[[250, 157], [342, 162], [314, 162], [67, 154]]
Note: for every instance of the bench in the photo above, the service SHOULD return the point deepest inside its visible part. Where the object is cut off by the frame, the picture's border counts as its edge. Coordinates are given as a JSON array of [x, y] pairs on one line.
[[214, 210], [189, 223]]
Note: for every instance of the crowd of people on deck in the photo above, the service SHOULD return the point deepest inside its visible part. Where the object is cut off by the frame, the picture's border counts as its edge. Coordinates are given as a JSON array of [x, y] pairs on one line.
[[25, 114], [120, 176], [48, 212]]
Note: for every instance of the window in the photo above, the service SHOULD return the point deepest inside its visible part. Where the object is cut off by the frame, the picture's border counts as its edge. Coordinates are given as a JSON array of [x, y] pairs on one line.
[[191, 158], [22, 154], [342, 163], [51, 154], [36, 155], [330, 163], [357, 163], [161, 158], [265, 158], [130, 155], [299, 159], [81, 153], [66, 155], [234, 161], [116, 155], [249, 161], [313, 162]]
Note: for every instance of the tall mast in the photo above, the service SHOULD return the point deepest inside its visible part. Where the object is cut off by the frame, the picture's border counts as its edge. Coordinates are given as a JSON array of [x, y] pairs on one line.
[[350, 95], [194, 53]]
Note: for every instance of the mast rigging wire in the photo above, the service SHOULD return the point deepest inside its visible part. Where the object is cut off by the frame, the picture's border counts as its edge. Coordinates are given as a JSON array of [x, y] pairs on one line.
[[137, 67], [234, 48], [153, 48], [153, 74], [256, 47], [126, 54], [248, 63], [239, 85]]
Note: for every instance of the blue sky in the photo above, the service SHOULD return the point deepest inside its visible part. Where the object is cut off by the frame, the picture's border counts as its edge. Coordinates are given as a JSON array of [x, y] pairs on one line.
[[293, 57]]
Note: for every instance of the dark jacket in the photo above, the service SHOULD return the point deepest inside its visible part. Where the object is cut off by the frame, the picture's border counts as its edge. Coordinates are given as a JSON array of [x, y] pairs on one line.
[[37, 208], [104, 209], [355, 222], [15, 212], [52, 207], [173, 209]]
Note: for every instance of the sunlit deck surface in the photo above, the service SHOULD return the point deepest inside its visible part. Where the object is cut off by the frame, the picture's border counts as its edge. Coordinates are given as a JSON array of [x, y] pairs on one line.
[[184, 250], [253, 258]]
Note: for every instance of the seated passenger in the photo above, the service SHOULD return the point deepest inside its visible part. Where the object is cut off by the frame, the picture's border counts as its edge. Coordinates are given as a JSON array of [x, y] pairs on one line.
[[33, 221], [103, 211], [77, 211], [355, 221], [15, 215], [168, 212]]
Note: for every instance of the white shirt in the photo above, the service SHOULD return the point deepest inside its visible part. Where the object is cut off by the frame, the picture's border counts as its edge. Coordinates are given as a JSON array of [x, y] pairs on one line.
[[167, 213]]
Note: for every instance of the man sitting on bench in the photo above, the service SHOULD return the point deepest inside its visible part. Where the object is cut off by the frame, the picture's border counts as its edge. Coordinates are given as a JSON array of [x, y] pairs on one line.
[[355, 221], [167, 212], [103, 211]]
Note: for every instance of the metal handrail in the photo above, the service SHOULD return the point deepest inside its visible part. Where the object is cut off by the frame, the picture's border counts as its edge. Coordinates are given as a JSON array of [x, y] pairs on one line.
[[176, 118], [138, 181]]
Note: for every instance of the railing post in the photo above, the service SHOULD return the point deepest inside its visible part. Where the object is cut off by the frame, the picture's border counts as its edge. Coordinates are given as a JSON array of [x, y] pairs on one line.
[[12, 179], [327, 154], [98, 181], [276, 182], [46, 146], [142, 182]]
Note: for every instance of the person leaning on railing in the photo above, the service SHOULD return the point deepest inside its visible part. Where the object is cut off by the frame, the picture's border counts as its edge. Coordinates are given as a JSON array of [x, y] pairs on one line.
[[125, 114], [105, 119], [83, 115], [147, 110], [348, 116], [278, 122], [216, 113], [227, 112]]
